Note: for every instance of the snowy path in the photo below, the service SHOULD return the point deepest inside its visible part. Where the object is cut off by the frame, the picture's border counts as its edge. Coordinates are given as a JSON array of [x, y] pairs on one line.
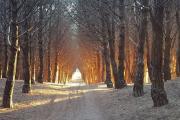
[[81, 102], [85, 108]]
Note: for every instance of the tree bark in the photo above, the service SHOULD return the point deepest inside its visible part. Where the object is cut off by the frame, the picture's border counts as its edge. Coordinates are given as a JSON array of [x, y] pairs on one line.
[[49, 57], [167, 52], [8, 91], [55, 65], [139, 76], [102, 68], [158, 92], [32, 61], [107, 63], [178, 47], [121, 58], [5, 64], [5, 30], [41, 56], [25, 50]]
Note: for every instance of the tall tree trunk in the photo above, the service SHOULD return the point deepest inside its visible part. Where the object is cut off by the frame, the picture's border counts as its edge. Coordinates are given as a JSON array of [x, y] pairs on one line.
[[98, 65], [49, 57], [139, 79], [55, 65], [158, 92], [8, 91], [59, 75], [121, 67], [107, 63], [178, 47], [111, 40], [40, 38], [49, 48], [25, 50], [167, 52], [5, 64], [18, 66], [5, 36], [32, 62], [105, 52], [1, 60], [102, 68]]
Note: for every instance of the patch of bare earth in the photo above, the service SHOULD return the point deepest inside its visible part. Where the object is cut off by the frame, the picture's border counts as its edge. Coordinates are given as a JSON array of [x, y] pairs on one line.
[[57, 102]]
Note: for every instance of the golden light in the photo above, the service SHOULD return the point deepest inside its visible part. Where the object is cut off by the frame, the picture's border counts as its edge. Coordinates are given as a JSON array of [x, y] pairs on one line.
[[77, 75]]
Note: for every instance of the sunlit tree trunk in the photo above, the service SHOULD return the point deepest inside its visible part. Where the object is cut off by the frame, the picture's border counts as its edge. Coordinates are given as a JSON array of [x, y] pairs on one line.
[[167, 52], [59, 74], [98, 65], [139, 79], [8, 91], [55, 65], [40, 42], [158, 92], [121, 67], [178, 46], [102, 69]]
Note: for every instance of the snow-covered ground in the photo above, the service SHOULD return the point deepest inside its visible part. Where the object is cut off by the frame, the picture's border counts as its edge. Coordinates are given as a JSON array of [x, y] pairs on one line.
[[77, 101]]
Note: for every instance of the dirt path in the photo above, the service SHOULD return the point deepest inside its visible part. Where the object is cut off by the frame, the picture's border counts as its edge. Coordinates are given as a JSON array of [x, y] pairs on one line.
[[82, 102], [84, 108]]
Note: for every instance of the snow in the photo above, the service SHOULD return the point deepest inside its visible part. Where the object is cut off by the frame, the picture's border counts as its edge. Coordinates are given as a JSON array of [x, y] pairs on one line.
[[78, 101]]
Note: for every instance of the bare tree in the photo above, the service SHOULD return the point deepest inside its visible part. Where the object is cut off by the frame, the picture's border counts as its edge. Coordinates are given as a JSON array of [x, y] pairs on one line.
[[14, 47], [121, 67], [139, 79], [158, 92]]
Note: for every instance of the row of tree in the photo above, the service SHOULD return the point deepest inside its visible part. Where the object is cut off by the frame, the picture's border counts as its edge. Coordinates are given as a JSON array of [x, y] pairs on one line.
[[34, 35], [136, 40], [112, 41]]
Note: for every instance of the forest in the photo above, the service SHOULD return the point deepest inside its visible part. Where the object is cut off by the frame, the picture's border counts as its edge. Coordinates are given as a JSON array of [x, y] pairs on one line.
[[124, 45]]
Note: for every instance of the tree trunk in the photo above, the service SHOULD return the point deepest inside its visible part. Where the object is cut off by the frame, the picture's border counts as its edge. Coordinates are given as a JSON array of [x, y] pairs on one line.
[[1, 61], [26, 62], [5, 44], [102, 68], [49, 58], [158, 92], [139, 78], [98, 65], [59, 75], [178, 47], [167, 52], [105, 52], [5, 65], [41, 56], [8, 91], [55, 65], [32, 63], [121, 67], [107, 63]]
